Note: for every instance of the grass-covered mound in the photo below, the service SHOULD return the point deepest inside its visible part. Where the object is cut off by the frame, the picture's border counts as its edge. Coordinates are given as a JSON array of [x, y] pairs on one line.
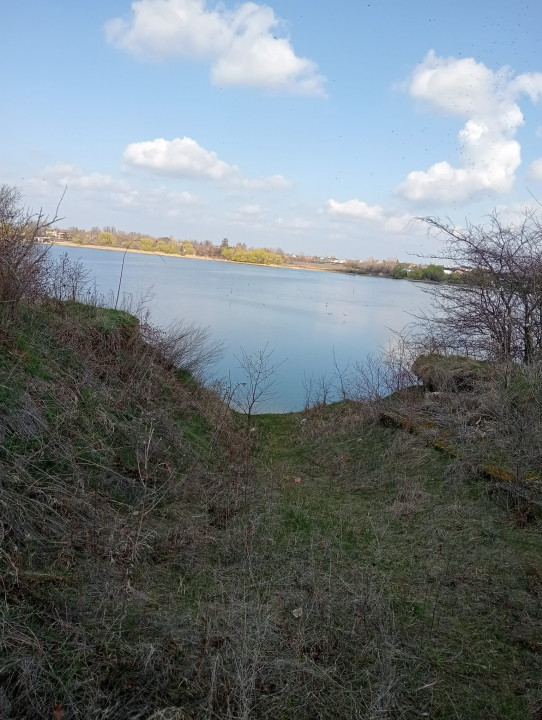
[[450, 372], [108, 460], [154, 556]]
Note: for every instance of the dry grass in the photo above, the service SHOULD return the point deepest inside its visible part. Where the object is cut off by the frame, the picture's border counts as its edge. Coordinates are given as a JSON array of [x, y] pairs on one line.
[[158, 561]]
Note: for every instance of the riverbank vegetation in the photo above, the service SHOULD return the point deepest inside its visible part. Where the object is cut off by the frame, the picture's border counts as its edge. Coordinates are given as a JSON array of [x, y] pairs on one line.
[[258, 256], [109, 237], [161, 557]]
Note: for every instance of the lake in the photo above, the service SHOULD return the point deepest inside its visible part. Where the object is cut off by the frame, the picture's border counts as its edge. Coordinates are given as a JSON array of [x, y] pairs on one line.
[[305, 317]]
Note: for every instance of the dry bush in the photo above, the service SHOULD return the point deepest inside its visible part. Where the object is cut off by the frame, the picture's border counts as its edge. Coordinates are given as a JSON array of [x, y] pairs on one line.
[[501, 422], [319, 644], [494, 311], [65, 279], [185, 346], [318, 392], [485, 415], [22, 256]]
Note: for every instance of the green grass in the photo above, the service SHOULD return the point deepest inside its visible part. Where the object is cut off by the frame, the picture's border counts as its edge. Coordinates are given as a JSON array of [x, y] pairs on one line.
[[156, 554], [448, 556]]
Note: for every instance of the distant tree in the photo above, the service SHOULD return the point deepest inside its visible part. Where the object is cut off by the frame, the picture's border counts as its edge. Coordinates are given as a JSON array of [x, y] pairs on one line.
[[173, 248], [106, 238], [206, 249], [399, 272], [146, 244], [415, 273], [434, 272], [260, 256], [187, 248]]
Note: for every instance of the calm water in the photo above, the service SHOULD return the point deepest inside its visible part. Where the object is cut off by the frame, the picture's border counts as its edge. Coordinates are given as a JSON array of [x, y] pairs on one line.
[[304, 316]]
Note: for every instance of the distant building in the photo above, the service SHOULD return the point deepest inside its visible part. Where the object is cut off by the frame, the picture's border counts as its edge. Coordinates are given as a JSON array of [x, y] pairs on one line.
[[55, 234]]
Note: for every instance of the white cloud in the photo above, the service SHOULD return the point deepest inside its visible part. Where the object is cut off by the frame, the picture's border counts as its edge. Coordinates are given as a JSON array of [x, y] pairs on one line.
[[249, 215], [273, 182], [355, 208], [530, 84], [398, 223], [535, 171], [297, 224], [488, 101], [179, 198], [74, 178], [184, 157], [250, 210], [98, 185], [360, 211], [242, 45], [90, 184]]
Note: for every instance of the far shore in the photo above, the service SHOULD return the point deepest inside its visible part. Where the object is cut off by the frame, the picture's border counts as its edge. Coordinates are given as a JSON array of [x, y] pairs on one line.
[[189, 257], [309, 266]]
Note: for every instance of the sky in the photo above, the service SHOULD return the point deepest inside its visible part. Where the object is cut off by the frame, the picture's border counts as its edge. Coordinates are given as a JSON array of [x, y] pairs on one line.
[[320, 128]]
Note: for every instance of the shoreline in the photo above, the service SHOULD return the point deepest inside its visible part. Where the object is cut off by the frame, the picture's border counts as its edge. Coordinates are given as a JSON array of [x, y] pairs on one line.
[[288, 266], [64, 243]]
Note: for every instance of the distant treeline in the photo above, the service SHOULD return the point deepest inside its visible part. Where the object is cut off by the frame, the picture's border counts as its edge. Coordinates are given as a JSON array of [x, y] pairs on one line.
[[111, 237], [394, 269]]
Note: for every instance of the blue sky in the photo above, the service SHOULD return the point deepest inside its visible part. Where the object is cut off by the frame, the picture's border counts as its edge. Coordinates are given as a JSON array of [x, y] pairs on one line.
[[313, 126]]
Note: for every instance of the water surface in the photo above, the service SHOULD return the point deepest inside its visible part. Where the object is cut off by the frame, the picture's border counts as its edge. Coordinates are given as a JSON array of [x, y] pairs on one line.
[[305, 317]]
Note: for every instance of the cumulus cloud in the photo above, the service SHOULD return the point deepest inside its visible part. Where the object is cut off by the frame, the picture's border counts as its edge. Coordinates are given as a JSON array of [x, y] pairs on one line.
[[360, 211], [184, 157], [398, 223], [530, 84], [90, 184], [99, 185], [355, 208], [64, 174], [247, 214], [243, 45], [535, 171], [488, 100], [273, 182]]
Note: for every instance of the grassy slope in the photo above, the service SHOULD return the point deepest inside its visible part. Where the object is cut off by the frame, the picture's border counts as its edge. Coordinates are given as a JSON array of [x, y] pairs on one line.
[[152, 556]]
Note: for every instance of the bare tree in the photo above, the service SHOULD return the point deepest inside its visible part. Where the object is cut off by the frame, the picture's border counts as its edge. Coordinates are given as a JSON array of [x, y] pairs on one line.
[[317, 390], [22, 252], [260, 371], [495, 311]]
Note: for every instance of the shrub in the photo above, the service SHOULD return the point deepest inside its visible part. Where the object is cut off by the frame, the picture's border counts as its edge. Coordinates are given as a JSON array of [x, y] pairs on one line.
[[22, 253]]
